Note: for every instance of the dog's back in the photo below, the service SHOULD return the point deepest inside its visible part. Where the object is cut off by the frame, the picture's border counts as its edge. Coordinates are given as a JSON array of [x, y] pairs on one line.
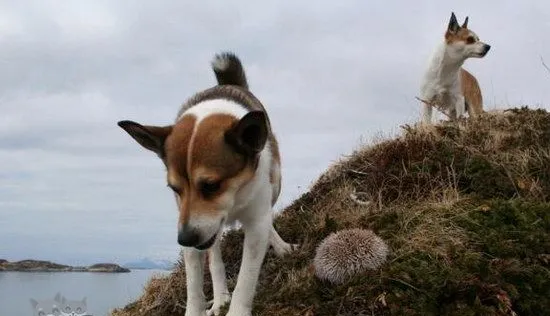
[[472, 93]]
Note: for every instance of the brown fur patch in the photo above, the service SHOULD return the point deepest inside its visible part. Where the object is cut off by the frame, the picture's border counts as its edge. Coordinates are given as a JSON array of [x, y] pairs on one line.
[[471, 92], [274, 172], [197, 153], [274, 145], [177, 145], [461, 35], [212, 158], [176, 148]]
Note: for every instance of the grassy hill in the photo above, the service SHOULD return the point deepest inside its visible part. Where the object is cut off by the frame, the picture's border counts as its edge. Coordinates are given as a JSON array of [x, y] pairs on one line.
[[464, 209]]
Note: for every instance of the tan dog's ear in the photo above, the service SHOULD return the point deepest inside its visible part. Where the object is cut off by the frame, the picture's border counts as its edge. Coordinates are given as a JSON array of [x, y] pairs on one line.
[[249, 135], [150, 137], [453, 24], [465, 24]]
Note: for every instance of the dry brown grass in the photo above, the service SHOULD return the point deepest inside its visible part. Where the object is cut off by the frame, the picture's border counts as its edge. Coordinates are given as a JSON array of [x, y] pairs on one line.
[[463, 207]]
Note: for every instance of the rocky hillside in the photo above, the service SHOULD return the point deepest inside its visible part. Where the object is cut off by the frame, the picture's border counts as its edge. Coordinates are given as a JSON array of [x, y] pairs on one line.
[[464, 209]]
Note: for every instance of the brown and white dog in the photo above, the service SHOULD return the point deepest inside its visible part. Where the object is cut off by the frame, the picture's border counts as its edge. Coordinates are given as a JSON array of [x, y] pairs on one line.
[[446, 84], [223, 164]]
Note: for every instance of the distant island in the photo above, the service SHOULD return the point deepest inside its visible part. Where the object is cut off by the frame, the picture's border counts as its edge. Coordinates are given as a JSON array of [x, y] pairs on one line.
[[47, 266], [150, 264]]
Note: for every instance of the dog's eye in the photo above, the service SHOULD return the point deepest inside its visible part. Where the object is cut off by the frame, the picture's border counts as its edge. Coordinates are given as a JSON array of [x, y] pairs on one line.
[[208, 188], [175, 189], [470, 40]]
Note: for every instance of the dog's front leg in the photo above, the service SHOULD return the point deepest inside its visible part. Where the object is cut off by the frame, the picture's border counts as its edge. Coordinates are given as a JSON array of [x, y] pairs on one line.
[[255, 246], [427, 98], [194, 273], [427, 114], [219, 282]]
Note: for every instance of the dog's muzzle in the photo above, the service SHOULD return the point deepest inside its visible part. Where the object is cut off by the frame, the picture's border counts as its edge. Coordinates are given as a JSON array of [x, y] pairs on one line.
[[190, 237]]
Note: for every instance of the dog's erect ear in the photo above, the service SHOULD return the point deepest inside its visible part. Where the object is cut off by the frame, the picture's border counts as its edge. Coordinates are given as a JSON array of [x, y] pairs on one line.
[[150, 137], [249, 135], [34, 303], [453, 24], [465, 24]]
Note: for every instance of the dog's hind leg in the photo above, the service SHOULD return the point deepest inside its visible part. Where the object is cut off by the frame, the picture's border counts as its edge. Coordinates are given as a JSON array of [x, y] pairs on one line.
[[219, 281], [280, 246], [460, 106], [194, 273]]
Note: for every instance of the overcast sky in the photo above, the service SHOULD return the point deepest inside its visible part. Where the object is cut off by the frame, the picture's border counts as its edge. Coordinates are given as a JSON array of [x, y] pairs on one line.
[[75, 188]]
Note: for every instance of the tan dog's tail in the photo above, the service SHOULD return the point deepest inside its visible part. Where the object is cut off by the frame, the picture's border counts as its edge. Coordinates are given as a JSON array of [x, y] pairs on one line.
[[229, 70]]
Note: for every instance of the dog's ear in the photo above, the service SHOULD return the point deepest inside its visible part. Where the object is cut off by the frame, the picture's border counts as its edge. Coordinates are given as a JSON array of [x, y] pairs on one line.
[[465, 24], [453, 24], [150, 137], [249, 135]]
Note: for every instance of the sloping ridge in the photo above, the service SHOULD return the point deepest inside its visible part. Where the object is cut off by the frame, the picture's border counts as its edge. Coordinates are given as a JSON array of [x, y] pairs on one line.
[[464, 209]]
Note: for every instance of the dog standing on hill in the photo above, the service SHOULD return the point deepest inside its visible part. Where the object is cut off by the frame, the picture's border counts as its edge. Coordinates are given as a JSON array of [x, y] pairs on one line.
[[223, 164], [446, 84]]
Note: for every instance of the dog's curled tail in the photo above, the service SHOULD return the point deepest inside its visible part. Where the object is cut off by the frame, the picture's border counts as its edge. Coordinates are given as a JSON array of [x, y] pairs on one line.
[[229, 70]]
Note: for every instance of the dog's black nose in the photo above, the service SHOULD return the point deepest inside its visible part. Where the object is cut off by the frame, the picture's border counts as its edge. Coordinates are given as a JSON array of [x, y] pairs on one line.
[[486, 48], [188, 237]]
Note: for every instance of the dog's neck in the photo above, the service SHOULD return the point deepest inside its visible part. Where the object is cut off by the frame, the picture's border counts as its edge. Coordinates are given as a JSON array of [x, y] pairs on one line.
[[444, 65]]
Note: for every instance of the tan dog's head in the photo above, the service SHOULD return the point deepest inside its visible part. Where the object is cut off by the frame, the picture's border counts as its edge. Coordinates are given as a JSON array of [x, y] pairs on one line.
[[463, 43], [209, 158]]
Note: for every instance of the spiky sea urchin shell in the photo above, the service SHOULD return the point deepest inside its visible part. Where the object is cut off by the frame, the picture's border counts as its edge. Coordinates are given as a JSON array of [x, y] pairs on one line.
[[347, 253]]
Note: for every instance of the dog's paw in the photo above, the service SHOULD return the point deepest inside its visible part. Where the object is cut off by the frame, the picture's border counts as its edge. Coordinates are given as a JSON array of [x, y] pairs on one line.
[[284, 249], [218, 303], [195, 309]]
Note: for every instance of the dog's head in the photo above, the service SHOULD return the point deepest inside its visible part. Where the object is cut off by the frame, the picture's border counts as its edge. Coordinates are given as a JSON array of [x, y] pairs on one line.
[[463, 43], [211, 153], [208, 160]]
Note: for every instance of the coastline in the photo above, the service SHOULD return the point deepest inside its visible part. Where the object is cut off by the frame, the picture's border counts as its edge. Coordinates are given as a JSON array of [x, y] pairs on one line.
[[29, 265]]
